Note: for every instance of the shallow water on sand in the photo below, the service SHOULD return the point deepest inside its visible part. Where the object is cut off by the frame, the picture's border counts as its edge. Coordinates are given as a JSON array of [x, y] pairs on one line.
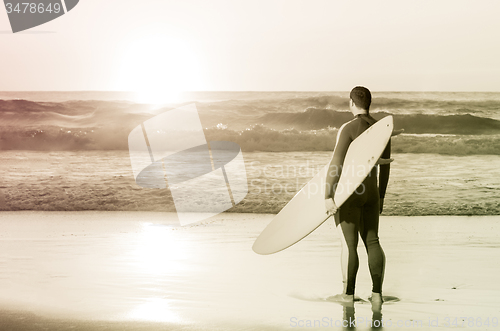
[[143, 267]]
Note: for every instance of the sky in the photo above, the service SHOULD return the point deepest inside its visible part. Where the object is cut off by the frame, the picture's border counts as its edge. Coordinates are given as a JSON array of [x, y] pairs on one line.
[[153, 46]]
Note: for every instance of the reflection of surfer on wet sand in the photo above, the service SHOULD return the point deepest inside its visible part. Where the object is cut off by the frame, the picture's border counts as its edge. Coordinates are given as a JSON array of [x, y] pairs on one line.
[[360, 213], [350, 322]]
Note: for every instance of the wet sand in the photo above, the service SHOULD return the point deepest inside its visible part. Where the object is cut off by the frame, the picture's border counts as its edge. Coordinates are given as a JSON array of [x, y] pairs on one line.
[[141, 270]]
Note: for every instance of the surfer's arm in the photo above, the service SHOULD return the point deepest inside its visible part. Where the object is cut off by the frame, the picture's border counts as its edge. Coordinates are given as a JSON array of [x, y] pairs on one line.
[[384, 161], [385, 167], [397, 132], [384, 174], [335, 168]]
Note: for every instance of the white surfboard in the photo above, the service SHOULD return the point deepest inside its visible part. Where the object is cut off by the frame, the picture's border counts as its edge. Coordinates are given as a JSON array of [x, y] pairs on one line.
[[306, 211]]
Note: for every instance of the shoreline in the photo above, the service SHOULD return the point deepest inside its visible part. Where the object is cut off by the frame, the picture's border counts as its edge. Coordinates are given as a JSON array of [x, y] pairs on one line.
[[419, 184], [465, 214], [19, 320]]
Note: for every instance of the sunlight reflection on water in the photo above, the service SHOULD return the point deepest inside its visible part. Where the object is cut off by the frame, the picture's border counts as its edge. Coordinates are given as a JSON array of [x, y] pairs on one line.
[[159, 250], [155, 310]]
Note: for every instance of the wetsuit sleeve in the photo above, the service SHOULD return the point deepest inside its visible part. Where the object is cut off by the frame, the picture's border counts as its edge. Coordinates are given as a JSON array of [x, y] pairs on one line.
[[344, 139], [384, 171]]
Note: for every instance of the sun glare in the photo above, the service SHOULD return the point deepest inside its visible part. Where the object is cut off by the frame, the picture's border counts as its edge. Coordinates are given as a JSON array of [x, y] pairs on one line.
[[160, 251], [160, 254], [158, 68], [155, 309]]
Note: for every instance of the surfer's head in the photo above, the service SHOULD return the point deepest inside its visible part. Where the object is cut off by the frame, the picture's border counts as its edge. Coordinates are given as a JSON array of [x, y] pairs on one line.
[[361, 98]]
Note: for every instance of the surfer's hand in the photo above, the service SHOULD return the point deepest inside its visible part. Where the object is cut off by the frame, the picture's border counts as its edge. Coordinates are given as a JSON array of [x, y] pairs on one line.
[[331, 208], [381, 205], [384, 161], [396, 132]]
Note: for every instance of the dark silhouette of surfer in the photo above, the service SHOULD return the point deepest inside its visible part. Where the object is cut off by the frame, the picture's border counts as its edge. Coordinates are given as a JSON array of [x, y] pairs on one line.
[[360, 213]]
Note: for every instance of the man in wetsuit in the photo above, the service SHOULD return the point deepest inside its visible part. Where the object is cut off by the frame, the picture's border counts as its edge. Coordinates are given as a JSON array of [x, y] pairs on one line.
[[360, 213]]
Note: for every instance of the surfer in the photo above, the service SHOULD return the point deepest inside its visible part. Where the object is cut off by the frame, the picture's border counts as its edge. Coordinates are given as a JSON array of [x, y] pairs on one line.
[[360, 212]]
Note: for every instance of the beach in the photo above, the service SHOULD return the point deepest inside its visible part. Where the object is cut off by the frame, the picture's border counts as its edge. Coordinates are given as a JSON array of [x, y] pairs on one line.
[[141, 270], [84, 247]]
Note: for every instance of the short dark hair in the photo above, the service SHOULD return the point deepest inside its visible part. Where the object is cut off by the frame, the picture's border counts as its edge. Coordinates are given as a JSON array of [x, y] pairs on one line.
[[361, 97]]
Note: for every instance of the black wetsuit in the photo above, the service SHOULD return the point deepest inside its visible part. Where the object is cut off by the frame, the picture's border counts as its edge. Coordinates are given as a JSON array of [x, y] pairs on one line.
[[360, 213]]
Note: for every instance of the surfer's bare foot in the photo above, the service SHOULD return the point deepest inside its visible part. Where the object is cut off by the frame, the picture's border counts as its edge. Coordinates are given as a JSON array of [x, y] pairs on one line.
[[342, 298], [376, 298]]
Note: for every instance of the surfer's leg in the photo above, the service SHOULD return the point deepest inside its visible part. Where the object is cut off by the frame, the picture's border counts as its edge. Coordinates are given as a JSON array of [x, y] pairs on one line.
[[369, 235], [346, 220]]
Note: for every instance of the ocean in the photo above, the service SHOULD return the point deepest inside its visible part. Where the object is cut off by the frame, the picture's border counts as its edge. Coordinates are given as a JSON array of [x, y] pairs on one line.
[[69, 150]]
